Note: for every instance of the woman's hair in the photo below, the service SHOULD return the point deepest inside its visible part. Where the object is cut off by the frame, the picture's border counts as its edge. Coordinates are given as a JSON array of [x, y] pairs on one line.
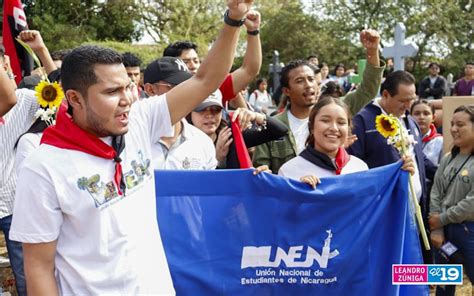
[[422, 101], [469, 109], [323, 65], [340, 65], [332, 89], [259, 81], [317, 107]]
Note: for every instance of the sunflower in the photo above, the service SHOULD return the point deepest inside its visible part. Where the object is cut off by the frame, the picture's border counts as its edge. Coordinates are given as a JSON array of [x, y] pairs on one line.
[[49, 94], [386, 125]]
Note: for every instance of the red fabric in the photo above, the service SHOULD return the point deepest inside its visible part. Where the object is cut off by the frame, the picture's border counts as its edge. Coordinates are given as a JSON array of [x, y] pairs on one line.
[[433, 134], [67, 135], [14, 21], [342, 158], [227, 89], [2, 121], [240, 147]]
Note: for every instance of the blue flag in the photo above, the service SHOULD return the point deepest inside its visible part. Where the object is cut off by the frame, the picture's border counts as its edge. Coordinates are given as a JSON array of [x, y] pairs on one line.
[[228, 232]]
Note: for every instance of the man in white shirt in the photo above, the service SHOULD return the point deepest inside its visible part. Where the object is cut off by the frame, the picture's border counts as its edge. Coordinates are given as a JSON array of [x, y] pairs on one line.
[[17, 110], [299, 84], [189, 148], [85, 209]]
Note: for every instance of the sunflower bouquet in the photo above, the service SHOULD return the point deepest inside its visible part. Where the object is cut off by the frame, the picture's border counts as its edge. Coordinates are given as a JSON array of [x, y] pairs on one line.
[[49, 95], [391, 128]]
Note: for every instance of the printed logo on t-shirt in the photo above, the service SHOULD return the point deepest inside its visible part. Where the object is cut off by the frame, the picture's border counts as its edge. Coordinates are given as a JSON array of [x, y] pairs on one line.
[[105, 193], [140, 169], [192, 163], [100, 191]]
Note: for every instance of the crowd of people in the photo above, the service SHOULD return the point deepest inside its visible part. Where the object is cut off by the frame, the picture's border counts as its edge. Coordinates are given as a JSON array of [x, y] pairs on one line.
[[83, 178]]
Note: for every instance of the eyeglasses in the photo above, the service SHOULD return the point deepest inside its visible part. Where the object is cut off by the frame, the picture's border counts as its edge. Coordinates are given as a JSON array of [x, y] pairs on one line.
[[214, 110]]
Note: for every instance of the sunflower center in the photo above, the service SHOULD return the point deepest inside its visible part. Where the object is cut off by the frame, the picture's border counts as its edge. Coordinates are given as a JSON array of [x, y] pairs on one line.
[[49, 93], [386, 125]]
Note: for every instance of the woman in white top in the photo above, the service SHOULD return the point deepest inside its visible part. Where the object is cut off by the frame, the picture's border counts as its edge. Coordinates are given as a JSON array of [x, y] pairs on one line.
[[260, 99], [324, 155]]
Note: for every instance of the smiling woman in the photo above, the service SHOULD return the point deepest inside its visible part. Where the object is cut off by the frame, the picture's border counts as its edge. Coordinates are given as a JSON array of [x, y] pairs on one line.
[[451, 206], [329, 127]]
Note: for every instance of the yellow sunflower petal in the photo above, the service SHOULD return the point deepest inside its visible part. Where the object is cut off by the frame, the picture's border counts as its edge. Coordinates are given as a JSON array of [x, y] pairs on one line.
[[49, 94], [386, 125]]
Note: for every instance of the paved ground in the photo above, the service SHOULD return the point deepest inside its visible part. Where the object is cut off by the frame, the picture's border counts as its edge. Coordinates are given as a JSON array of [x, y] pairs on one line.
[[7, 281]]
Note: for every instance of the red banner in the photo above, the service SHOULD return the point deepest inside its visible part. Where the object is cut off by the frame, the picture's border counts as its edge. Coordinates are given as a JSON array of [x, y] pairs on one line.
[[14, 21]]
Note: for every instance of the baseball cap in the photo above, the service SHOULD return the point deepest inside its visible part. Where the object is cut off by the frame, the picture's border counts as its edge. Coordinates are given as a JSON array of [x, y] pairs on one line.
[[215, 99], [169, 69]]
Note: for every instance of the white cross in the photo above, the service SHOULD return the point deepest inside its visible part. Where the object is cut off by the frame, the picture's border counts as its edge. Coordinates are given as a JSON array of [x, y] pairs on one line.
[[400, 50]]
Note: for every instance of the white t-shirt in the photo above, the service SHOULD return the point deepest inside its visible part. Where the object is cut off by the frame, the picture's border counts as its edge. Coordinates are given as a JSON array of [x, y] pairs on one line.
[[193, 150], [26, 145], [299, 167], [260, 99], [433, 149], [299, 129], [106, 244]]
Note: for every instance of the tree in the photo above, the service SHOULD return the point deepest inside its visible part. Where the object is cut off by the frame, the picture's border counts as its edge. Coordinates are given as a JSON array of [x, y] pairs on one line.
[[442, 29], [195, 20], [68, 23]]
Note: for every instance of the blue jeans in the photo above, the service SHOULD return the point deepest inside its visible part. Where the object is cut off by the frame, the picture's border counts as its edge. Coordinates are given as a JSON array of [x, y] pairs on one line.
[[462, 236], [15, 254]]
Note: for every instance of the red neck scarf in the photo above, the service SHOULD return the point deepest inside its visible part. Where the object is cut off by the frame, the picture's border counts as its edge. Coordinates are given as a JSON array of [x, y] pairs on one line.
[[67, 135], [322, 160], [433, 134], [342, 158]]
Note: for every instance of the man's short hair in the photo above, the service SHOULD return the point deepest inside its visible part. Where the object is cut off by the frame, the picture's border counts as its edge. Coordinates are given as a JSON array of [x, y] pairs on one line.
[[433, 64], [312, 57], [284, 79], [177, 48], [394, 79], [131, 60], [77, 70], [59, 55]]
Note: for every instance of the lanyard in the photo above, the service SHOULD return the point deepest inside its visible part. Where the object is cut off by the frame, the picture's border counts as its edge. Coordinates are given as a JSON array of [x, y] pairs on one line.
[[454, 176]]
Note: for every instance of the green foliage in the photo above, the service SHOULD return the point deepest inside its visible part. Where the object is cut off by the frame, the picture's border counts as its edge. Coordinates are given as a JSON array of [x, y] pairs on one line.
[[442, 29], [67, 23], [196, 20], [147, 53]]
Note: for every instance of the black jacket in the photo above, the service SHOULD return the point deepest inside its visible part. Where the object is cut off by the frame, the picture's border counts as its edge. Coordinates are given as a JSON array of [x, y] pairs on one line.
[[254, 137], [437, 91]]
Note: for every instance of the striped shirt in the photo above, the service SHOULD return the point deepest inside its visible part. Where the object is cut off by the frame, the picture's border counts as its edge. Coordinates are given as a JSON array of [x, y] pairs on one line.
[[17, 121]]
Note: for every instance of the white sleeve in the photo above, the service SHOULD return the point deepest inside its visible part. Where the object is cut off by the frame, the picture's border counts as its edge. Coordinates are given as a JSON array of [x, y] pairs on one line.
[[281, 171], [155, 115], [37, 216], [252, 99], [27, 144], [27, 99]]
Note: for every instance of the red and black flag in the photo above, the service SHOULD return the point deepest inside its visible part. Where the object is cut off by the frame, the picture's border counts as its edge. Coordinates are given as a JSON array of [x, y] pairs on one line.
[[14, 21]]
